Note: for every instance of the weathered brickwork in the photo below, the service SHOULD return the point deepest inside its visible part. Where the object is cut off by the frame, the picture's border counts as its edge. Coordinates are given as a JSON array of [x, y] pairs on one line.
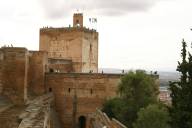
[[60, 65], [1, 70], [80, 91], [37, 68], [14, 73], [90, 52]]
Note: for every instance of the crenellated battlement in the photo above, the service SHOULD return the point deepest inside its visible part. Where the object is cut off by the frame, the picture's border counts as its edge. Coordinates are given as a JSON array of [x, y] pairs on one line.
[[78, 14], [66, 29], [16, 49], [13, 53]]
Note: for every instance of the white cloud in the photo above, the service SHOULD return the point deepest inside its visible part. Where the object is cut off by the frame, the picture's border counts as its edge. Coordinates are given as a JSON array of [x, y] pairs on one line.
[[131, 38], [60, 8]]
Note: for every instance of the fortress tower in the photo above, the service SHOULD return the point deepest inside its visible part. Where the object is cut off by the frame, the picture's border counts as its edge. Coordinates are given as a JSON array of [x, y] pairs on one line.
[[78, 20], [76, 46], [62, 66]]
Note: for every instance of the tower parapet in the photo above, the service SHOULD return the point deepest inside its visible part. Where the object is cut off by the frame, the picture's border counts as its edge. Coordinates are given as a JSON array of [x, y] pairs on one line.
[[78, 20]]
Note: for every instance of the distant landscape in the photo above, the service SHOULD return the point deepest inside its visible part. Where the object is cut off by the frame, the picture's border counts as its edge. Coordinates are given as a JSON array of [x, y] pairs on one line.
[[164, 76]]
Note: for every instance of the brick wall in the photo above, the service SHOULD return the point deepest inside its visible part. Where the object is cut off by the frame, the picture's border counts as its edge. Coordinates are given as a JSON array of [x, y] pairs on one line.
[[36, 74], [1, 69], [90, 52], [14, 73], [60, 65], [91, 91]]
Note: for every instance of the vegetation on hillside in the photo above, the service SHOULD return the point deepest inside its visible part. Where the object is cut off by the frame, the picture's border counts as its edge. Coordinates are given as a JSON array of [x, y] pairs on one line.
[[137, 90], [181, 93], [153, 116]]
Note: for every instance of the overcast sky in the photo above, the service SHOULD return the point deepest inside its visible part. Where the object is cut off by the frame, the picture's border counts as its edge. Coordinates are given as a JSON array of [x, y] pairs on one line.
[[133, 34]]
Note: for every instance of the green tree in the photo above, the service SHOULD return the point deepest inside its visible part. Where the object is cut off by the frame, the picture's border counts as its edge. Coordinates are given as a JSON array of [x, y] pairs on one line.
[[136, 90], [115, 108], [181, 93], [153, 116]]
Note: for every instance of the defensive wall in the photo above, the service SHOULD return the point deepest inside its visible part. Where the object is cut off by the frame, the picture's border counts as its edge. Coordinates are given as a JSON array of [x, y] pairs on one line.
[[14, 70], [77, 95], [21, 72], [1, 71], [37, 67]]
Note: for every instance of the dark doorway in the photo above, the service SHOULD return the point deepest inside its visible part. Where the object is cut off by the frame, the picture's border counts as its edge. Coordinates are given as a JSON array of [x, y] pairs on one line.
[[51, 70], [82, 122], [50, 89]]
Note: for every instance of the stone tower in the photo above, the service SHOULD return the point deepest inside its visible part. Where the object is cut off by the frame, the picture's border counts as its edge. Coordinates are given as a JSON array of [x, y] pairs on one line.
[[76, 46], [77, 20]]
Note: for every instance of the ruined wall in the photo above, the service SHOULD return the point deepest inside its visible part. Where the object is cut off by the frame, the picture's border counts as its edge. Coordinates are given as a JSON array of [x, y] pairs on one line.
[[90, 52], [14, 73], [37, 67], [91, 91]]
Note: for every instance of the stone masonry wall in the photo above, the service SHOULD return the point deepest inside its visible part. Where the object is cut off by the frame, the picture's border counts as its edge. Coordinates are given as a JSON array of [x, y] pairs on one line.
[[90, 52], [14, 73], [77, 44], [60, 65], [83, 92], [1, 70], [63, 44], [37, 67]]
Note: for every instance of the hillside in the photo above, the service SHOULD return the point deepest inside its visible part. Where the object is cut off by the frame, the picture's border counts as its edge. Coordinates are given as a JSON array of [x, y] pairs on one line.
[[164, 77]]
